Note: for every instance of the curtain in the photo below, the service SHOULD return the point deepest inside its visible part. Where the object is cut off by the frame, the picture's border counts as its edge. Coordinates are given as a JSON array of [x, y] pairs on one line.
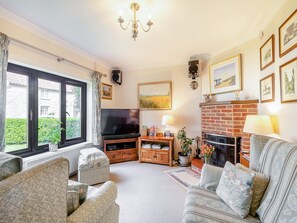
[[4, 42], [96, 88]]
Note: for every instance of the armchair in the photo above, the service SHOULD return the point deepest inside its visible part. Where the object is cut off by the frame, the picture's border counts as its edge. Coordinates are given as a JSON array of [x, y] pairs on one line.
[[38, 194]]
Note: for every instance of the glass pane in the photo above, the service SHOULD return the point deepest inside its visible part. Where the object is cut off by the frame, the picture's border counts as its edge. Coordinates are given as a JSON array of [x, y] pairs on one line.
[[16, 123], [49, 104], [73, 112]]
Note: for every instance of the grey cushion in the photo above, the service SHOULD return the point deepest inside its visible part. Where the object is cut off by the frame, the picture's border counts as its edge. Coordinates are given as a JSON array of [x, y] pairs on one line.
[[9, 165], [72, 201], [235, 188], [257, 145], [204, 206], [259, 188], [81, 188], [210, 177]]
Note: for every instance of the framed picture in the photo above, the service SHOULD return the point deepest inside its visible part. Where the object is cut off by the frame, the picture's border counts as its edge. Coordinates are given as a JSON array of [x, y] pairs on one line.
[[106, 91], [288, 35], [225, 76], [154, 95], [288, 77], [267, 89], [267, 53]]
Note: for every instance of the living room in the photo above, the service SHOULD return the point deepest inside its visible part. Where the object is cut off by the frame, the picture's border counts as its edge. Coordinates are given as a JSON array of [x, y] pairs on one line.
[[61, 39]]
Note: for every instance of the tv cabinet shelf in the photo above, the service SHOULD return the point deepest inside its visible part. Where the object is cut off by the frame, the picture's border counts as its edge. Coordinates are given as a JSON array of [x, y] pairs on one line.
[[120, 150]]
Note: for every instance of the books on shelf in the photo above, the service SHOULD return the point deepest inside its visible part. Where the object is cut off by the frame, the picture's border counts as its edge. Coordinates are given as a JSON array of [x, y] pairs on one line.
[[146, 145], [156, 146]]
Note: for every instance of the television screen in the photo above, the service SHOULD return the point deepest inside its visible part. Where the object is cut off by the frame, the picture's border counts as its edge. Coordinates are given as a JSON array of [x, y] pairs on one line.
[[119, 121]]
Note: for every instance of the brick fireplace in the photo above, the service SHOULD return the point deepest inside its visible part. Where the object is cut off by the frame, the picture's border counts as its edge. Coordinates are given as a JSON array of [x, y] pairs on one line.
[[227, 118]]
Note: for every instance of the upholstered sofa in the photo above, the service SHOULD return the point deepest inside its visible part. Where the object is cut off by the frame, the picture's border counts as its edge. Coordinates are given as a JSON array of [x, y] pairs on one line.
[[38, 194], [275, 159]]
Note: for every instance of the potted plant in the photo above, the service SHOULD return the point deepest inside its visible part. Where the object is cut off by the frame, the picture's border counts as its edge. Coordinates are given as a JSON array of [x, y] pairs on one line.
[[185, 144], [51, 131], [206, 152]]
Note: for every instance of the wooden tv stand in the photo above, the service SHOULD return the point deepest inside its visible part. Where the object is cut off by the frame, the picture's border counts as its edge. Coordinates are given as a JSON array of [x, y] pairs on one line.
[[120, 150]]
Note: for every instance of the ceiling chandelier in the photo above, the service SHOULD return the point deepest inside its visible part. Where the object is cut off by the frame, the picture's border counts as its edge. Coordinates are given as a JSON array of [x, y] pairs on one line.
[[135, 7]]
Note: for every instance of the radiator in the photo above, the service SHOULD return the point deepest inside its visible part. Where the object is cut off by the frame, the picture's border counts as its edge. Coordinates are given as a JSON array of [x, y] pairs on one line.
[[71, 153]]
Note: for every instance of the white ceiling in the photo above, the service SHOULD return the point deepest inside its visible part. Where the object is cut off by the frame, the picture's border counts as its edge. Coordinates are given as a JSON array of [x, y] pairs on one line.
[[181, 30]]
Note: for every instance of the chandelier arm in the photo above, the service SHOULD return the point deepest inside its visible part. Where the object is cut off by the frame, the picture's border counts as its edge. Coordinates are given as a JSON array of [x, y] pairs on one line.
[[125, 28], [145, 30]]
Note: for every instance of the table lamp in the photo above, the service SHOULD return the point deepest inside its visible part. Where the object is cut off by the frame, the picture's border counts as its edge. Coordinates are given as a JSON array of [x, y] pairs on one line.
[[258, 124], [167, 120]]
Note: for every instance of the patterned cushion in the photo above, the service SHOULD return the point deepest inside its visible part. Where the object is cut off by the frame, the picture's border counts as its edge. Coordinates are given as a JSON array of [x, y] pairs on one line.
[[235, 188], [210, 177], [81, 188], [260, 185], [72, 201], [9, 165], [204, 206], [279, 161]]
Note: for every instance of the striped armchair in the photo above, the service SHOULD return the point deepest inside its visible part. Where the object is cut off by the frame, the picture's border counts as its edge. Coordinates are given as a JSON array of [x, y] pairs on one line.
[[274, 158], [38, 194]]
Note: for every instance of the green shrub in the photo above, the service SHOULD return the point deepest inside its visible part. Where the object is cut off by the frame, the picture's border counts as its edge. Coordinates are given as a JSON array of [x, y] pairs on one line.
[[16, 129]]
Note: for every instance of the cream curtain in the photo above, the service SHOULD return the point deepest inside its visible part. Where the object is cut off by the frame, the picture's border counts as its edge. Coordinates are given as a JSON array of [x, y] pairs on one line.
[[4, 42], [96, 87]]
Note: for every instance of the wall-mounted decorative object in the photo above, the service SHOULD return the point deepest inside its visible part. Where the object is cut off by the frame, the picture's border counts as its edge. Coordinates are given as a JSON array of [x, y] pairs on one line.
[[193, 73], [267, 89], [116, 77], [267, 53], [106, 91], [225, 76], [154, 95], [207, 98], [288, 34], [288, 77]]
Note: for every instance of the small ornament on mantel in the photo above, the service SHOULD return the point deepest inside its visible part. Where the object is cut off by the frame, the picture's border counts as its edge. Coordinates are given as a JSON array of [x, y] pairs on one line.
[[207, 98], [237, 93]]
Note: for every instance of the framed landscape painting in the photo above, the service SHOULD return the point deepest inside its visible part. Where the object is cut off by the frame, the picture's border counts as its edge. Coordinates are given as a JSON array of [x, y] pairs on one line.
[[154, 95], [225, 76], [267, 89], [106, 91], [267, 53], [288, 77], [288, 35]]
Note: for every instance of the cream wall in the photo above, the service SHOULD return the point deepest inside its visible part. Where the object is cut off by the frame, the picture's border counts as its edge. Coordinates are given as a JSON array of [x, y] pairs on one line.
[[185, 101], [19, 29], [285, 113]]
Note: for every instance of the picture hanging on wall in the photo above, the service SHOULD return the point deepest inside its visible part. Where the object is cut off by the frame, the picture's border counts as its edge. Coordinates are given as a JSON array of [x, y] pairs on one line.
[[267, 53], [288, 81], [288, 35], [154, 95], [267, 89], [225, 76], [106, 91]]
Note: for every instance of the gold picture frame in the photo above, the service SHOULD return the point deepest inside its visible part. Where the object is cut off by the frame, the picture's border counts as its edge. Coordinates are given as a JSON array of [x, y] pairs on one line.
[[267, 90], [155, 95], [226, 76], [267, 53], [288, 35], [106, 91], [288, 81]]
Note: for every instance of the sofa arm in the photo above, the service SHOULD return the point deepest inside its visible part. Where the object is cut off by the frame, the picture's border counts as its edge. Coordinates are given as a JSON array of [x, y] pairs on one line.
[[210, 177], [96, 205]]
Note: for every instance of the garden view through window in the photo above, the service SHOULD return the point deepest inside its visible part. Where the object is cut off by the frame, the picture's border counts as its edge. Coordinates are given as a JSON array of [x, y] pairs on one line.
[[38, 102]]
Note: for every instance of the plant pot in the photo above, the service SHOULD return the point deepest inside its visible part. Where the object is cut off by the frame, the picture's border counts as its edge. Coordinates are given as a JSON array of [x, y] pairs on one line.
[[53, 147], [183, 159]]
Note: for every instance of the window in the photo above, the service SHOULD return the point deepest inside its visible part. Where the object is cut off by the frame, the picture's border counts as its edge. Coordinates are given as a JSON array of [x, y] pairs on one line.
[[27, 112]]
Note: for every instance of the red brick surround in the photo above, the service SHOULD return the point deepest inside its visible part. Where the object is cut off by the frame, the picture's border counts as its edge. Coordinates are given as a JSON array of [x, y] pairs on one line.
[[227, 118]]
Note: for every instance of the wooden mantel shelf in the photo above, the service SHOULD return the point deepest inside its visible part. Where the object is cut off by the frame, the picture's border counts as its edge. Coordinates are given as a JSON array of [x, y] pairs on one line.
[[229, 102]]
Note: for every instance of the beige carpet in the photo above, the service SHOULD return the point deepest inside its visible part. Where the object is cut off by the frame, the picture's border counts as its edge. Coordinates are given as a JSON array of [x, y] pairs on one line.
[[146, 194]]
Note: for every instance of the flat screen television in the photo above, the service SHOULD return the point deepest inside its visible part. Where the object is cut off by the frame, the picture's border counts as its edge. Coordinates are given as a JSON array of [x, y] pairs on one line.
[[119, 123]]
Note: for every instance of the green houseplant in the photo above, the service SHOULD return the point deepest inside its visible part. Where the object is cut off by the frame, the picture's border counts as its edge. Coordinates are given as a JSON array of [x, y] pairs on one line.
[[185, 144], [52, 133]]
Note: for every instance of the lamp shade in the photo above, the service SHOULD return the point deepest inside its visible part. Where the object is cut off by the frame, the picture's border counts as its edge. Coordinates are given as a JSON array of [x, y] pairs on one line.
[[258, 124], [167, 120]]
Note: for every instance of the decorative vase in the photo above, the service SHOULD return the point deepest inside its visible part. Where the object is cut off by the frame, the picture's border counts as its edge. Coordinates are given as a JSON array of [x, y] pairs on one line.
[[53, 147], [206, 160]]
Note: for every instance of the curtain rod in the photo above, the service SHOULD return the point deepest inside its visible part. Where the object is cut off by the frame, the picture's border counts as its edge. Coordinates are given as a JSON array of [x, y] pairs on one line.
[[59, 59]]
